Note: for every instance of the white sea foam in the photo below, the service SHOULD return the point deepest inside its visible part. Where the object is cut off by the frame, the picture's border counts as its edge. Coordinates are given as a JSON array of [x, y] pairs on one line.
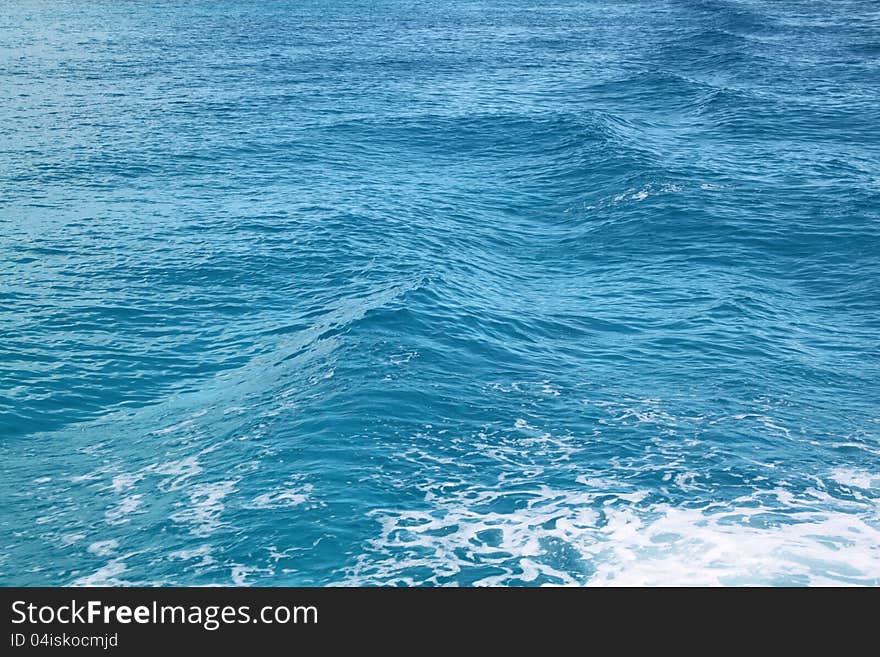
[[240, 574], [203, 553], [119, 514], [205, 506], [288, 495], [125, 481], [600, 536], [103, 548], [690, 547], [178, 472], [856, 477], [71, 539], [174, 428], [106, 575]]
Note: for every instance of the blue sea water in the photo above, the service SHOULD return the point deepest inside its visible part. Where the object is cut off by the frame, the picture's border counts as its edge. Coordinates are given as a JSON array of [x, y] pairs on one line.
[[464, 292]]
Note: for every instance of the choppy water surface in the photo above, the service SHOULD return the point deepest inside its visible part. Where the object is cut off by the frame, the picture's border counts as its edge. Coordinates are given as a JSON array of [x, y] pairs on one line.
[[448, 292]]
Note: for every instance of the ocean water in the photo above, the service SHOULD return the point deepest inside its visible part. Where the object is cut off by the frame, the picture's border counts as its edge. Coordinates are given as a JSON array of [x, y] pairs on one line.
[[439, 293]]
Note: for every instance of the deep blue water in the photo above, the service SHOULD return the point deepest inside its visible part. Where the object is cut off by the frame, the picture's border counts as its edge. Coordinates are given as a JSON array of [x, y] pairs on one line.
[[455, 292]]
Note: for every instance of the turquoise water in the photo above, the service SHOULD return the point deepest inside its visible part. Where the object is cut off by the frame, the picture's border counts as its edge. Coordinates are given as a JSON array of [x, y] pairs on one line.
[[458, 292]]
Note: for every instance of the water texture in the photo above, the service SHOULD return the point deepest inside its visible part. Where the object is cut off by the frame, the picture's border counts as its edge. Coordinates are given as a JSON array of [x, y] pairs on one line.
[[447, 293]]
